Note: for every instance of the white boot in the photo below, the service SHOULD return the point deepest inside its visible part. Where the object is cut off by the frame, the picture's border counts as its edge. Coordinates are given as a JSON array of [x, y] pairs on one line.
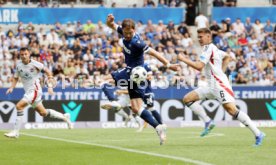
[[113, 105], [12, 134], [161, 132], [68, 121]]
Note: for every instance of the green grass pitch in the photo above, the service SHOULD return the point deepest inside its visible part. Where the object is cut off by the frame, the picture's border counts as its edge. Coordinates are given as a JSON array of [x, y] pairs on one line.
[[224, 146]]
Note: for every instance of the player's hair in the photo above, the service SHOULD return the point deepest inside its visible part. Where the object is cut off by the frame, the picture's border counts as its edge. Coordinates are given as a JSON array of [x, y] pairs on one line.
[[204, 30], [128, 23], [24, 49]]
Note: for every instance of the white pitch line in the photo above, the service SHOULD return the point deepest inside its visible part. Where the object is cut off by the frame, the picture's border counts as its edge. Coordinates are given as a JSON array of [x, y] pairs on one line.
[[183, 159]]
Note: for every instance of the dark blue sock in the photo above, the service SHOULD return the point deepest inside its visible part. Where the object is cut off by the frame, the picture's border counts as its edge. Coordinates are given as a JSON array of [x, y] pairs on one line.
[[147, 116], [157, 116], [108, 92]]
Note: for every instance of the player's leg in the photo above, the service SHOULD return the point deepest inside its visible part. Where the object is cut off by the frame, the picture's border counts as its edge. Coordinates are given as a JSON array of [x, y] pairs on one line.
[[108, 88], [124, 102], [245, 119], [19, 108], [137, 107], [149, 101], [137, 119], [136, 94], [122, 113], [53, 114], [191, 101]]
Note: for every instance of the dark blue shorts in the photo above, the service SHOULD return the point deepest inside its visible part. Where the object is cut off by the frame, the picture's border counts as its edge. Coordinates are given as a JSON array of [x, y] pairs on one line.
[[122, 78]]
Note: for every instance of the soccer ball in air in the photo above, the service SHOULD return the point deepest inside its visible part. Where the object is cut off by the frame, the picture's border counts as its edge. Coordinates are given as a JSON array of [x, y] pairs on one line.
[[138, 74]]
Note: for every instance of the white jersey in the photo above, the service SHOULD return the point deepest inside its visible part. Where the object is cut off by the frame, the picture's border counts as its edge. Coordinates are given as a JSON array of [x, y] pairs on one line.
[[124, 100], [29, 74], [212, 57]]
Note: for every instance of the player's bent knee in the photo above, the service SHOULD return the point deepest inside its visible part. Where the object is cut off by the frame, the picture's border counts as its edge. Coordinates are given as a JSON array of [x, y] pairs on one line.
[[231, 109], [43, 113], [187, 101], [19, 107], [135, 110]]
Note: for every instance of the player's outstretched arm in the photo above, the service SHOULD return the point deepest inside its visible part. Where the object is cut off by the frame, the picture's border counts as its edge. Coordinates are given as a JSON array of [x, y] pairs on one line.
[[110, 22], [198, 65], [14, 82], [225, 62], [157, 55]]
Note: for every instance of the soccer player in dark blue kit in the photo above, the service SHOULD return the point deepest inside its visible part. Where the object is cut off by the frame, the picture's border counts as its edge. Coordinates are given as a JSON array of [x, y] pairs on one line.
[[134, 49]]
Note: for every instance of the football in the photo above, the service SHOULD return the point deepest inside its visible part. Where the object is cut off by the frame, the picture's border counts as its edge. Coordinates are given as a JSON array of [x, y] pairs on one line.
[[138, 74]]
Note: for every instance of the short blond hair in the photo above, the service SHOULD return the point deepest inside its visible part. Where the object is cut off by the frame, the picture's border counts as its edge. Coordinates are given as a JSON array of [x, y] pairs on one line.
[[204, 30]]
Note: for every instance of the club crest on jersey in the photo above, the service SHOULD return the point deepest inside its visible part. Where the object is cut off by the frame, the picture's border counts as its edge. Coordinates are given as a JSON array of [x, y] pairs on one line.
[[32, 70]]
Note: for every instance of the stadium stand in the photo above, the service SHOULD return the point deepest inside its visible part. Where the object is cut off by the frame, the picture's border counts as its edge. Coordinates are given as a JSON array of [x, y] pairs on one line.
[[85, 50]]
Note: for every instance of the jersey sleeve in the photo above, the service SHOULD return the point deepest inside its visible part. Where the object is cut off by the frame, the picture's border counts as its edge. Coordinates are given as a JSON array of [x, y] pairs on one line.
[[141, 45], [222, 54], [38, 65], [147, 67], [206, 54], [120, 30]]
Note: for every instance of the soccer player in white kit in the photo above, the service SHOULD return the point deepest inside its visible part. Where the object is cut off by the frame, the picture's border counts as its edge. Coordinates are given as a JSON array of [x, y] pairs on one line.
[[214, 62], [29, 71]]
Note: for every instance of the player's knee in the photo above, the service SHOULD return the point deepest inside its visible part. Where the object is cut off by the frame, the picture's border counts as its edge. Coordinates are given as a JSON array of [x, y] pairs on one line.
[[230, 109], [19, 108], [135, 110], [187, 101], [43, 113]]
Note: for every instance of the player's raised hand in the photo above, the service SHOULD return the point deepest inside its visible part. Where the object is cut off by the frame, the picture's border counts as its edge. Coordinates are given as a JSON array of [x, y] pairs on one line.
[[51, 91], [9, 91], [110, 19]]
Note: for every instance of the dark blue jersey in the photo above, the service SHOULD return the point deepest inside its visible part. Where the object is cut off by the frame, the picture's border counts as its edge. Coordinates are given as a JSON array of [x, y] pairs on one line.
[[133, 50], [147, 67]]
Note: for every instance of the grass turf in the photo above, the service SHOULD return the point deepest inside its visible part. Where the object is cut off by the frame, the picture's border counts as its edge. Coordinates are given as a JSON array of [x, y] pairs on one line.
[[125, 146]]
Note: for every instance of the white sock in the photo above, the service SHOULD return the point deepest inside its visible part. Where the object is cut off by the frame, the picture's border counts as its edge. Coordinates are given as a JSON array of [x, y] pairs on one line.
[[244, 118], [199, 111], [122, 113], [18, 121], [55, 114]]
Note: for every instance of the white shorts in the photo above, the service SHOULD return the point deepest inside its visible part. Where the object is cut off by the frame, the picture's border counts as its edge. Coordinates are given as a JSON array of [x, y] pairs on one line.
[[222, 95], [33, 97], [124, 100]]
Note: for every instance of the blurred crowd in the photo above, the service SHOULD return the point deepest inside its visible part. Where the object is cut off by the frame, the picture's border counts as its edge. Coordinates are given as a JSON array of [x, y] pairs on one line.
[[85, 52]]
